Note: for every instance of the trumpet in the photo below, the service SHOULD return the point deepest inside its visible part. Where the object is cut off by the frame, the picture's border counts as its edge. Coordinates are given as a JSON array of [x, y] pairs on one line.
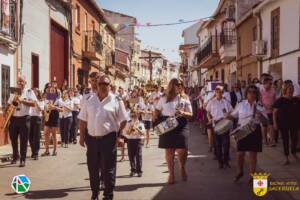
[[135, 130], [11, 109]]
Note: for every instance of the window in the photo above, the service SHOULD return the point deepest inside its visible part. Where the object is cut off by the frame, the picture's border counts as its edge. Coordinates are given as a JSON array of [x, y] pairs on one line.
[[254, 33], [239, 46], [93, 25], [5, 84], [275, 32], [85, 22], [34, 71], [223, 76], [217, 75], [77, 18]]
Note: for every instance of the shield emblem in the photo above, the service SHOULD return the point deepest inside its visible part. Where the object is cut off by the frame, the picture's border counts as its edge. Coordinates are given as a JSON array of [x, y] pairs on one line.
[[260, 184]]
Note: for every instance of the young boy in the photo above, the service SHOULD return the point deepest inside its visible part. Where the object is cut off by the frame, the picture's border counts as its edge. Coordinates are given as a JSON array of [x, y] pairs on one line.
[[135, 137]]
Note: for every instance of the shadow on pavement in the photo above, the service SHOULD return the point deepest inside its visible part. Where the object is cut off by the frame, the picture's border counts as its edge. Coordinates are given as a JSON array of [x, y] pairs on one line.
[[123, 188], [50, 194]]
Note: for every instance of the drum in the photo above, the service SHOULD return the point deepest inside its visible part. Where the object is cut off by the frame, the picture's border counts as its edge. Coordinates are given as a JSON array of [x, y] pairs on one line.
[[166, 126], [243, 131], [223, 126]]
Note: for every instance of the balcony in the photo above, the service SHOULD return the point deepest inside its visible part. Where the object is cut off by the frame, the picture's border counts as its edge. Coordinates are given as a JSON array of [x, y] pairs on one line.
[[228, 49], [207, 55], [92, 45], [8, 21]]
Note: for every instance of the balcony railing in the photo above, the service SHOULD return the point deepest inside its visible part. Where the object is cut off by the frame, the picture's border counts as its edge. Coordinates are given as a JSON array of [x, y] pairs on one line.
[[8, 18], [92, 45], [208, 48], [228, 37]]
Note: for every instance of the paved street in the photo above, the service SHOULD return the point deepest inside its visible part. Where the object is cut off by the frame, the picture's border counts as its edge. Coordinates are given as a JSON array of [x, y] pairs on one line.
[[66, 177]]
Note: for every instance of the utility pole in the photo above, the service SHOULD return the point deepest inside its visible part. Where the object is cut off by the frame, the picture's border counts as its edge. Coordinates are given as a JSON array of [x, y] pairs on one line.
[[150, 59]]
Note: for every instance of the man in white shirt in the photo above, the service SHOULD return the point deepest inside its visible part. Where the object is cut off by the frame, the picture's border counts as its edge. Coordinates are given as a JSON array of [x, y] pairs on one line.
[[217, 109], [20, 120], [104, 117]]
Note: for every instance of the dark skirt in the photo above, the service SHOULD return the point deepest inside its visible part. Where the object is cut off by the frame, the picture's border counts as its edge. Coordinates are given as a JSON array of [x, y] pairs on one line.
[[177, 138], [53, 119], [253, 142], [147, 125]]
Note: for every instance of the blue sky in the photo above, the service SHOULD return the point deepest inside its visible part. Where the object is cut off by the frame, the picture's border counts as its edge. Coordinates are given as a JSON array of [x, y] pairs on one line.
[[162, 11]]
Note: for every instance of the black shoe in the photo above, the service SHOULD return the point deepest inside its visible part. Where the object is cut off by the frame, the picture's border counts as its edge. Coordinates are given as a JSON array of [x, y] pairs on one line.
[[108, 198], [14, 161], [227, 165], [36, 157], [239, 176], [139, 174], [221, 166], [22, 163], [95, 196], [131, 174], [54, 153], [75, 142], [45, 154]]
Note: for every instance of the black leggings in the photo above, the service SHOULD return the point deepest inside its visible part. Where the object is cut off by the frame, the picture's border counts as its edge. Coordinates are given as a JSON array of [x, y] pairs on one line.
[[65, 129], [286, 135]]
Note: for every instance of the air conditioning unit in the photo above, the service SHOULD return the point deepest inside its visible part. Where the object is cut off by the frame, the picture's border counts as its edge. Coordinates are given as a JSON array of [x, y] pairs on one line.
[[259, 48], [230, 13]]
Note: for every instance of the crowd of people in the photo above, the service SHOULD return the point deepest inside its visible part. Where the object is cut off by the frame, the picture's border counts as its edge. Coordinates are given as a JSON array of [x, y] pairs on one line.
[[106, 118], [265, 110]]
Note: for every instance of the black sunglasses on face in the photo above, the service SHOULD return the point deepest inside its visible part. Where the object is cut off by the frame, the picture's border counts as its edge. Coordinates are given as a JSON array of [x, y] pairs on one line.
[[103, 83]]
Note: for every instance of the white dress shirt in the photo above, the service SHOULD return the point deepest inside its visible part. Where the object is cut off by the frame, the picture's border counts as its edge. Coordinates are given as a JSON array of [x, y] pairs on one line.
[[103, 117], [244, 112], [35, 111], [23, 110], [217, 107], [69, 103], [148, 108], [169, 108], [76, 101]]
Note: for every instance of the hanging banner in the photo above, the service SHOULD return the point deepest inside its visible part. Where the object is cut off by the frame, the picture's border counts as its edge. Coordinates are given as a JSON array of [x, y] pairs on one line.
[[103, 25]]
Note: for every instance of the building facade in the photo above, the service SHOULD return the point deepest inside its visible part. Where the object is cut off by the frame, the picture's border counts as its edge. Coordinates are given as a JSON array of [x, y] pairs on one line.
[[9, 40], [91, 33], [44, 50], [278, 43]]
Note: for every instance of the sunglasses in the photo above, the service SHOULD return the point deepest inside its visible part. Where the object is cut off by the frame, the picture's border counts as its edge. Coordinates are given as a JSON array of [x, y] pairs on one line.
[[103, 83]]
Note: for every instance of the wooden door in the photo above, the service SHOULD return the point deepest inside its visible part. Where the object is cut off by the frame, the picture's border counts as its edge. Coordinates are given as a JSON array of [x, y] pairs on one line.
[[59, 54], [35, 71]]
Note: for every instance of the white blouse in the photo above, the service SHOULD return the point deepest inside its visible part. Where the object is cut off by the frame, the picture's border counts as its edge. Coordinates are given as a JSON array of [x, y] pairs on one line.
[[69, 103], [35, 111], [244, 112], [169, 109]]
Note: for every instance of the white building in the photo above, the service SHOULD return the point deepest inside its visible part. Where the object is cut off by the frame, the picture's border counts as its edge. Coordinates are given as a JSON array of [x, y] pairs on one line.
[[8, 47], [44, 21], [279, 45], [188, 52]]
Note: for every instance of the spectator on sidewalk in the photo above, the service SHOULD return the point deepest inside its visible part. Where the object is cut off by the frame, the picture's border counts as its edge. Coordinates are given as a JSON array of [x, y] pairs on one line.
[[268, 97], [285, 116]]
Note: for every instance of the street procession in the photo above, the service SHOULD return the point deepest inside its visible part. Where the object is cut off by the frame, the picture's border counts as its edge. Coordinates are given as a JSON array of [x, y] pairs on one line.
[[101, 99]]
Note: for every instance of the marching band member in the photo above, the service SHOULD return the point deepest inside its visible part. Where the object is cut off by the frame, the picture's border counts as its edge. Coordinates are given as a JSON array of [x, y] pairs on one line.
[[52, 109], [36, 124], [104, 117], [217, 108], [67, 118], [75, 98], [172, 104], [20, 120], [135, 135], [147, 112], [252, 144]]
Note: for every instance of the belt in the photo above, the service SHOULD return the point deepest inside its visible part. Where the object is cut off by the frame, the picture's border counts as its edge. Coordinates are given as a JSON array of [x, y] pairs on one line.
[[100, 137]]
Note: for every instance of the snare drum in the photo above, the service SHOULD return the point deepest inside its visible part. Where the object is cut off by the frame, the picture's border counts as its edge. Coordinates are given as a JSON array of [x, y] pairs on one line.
[[223, 126]]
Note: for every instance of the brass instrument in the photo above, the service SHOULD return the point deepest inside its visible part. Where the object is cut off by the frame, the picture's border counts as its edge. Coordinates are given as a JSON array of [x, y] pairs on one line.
[[47, 111], [11, 109], [135, 130]]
